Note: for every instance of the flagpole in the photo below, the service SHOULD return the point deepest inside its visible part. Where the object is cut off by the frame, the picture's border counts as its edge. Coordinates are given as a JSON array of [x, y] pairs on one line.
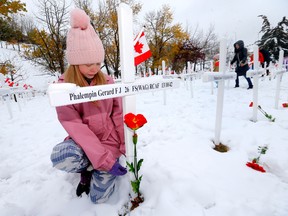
[[138, 36]]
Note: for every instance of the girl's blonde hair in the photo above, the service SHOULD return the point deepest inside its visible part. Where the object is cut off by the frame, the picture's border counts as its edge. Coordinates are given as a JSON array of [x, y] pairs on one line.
[[73, 75]]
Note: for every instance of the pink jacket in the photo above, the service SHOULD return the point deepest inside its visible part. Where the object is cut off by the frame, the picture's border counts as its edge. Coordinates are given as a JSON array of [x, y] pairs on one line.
[[97, 128]]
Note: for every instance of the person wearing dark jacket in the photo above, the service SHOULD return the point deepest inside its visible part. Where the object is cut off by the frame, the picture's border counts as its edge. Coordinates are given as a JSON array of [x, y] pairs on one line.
[[267, 59], [242, 67]]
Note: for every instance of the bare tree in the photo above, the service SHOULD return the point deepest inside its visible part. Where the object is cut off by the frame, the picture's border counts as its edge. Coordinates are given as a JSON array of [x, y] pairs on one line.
[[27, 24], [205, 44], [50, 41], [209, 44]]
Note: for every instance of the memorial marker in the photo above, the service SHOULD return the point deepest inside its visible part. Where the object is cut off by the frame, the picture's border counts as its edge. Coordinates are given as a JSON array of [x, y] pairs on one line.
[[220, 76]]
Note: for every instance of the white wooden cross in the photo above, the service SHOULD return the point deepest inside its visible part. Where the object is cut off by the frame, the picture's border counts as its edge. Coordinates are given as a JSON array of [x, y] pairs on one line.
[[189, 76], [67, 93], [220, 76], [255, 73], [5, 94], [279, 73]]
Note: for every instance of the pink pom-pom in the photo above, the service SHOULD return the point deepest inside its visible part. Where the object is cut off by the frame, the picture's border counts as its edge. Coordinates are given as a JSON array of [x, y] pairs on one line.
[[79, 19]]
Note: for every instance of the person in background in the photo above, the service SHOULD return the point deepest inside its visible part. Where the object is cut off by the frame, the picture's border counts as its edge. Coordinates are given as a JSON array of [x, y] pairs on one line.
[[260, 56], [216, 65], [95, 129], [267, 59], [240, 57]]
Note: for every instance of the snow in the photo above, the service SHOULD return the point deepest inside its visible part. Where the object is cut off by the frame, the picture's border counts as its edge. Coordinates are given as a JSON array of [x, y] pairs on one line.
[[182, 174]]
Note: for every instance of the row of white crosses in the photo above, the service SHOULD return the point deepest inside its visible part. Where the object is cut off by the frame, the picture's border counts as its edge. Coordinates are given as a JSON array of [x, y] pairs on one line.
[[279, 71], [67, 93], [17, 93], [221, 76], [5, 96], [7, 92]]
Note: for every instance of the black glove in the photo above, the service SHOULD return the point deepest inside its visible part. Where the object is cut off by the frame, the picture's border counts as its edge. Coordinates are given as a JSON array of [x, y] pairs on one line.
[[84, 184], [81, 188]]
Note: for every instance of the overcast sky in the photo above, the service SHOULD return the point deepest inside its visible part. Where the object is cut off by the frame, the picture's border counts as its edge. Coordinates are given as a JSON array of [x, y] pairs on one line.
[[233, 20]]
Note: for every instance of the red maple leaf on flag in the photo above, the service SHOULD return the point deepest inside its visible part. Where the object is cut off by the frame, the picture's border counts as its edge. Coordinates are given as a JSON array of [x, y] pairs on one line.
[[141, 49], [138, 47]]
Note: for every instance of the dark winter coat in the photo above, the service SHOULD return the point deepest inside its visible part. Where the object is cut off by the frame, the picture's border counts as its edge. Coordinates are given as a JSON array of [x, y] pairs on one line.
[[240, 58], [266, 55]]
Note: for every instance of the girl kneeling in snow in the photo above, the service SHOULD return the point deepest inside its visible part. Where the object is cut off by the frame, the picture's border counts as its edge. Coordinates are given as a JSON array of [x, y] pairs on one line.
[[95, 129]]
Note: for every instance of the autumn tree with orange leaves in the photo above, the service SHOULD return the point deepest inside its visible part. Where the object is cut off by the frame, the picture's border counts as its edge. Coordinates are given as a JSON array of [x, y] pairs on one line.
[[11, 7], [9, 30], [163, 36]]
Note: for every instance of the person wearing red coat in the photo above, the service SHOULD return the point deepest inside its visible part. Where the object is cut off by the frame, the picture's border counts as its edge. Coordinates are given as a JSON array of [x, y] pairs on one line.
[[260, 56]]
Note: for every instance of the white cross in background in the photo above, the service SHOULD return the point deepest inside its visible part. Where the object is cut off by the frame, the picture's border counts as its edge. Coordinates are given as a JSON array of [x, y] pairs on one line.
[[220, 77]]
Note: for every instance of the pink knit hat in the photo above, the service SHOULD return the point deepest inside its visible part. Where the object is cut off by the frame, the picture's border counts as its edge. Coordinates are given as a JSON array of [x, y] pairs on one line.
[[83, 44]]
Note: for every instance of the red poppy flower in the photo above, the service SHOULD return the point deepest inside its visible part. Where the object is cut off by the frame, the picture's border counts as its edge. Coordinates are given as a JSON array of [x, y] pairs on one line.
[[251, 104], [285, 104], [134, 122], [255, 166]]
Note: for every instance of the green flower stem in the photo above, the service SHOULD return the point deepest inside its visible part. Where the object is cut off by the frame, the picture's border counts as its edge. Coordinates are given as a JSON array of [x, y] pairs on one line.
[[266, 114], [261, 150], [135, 167], [135, 136]]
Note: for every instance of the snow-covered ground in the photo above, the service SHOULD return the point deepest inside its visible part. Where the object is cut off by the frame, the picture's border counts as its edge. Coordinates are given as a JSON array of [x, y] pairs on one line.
[[182, 174]]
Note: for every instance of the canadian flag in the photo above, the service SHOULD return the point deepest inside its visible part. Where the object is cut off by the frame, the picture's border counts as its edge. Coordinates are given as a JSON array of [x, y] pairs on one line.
[[142, 51]]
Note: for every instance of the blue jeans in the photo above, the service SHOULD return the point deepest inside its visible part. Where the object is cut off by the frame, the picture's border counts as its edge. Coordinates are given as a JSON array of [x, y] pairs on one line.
[[68, 156], [247, 78]]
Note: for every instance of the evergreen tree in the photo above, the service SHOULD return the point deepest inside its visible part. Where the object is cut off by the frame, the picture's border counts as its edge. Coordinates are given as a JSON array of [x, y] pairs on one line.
[[274, 39], [6, 30]]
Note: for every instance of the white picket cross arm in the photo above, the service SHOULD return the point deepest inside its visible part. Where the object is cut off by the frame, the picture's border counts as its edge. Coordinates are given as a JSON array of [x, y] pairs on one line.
[[217, 76], [277, 72], [61, 94], [254, 72]]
